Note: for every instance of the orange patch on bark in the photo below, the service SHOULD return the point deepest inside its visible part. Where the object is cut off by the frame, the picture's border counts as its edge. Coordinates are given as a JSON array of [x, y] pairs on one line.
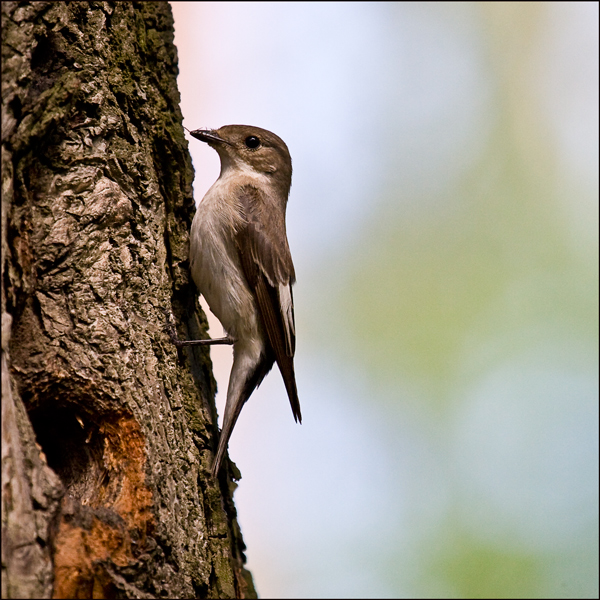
[[96, 532]]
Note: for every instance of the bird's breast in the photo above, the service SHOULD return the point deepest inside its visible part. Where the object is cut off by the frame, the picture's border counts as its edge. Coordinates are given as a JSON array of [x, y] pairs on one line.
[[215, 264]]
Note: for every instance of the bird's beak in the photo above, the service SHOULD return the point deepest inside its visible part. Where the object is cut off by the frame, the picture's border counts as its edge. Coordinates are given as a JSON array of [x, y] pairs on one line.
[[208, 136]]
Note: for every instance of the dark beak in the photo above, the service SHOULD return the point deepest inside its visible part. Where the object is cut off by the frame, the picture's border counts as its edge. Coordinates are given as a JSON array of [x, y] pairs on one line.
[[208, 136]]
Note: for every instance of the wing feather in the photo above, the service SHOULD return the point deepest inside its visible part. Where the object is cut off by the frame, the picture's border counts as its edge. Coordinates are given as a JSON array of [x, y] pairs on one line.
[[267, 264]]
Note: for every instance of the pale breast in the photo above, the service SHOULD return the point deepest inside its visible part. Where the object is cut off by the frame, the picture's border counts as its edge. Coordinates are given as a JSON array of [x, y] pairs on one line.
[[216, 267]]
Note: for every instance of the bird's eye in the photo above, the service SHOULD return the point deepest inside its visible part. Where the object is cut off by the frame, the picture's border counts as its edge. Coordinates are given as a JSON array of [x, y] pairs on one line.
[[252, 141]]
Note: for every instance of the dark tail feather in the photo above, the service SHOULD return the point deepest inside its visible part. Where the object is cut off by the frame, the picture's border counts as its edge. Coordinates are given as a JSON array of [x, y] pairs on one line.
[[270, 309], [286, 366]]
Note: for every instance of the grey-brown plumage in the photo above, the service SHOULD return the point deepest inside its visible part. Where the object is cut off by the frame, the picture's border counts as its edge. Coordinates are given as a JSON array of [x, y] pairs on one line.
[[241, 262]]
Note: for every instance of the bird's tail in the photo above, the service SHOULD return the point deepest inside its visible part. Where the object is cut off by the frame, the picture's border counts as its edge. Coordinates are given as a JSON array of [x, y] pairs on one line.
[[243, 381], [228, 424], [286, 366]]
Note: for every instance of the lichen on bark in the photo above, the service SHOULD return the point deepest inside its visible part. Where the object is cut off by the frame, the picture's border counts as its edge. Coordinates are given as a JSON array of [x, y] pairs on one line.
[[97, 205]]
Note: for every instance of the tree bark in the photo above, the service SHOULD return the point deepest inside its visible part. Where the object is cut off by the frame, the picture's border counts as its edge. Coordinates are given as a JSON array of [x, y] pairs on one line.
[[108, 431]]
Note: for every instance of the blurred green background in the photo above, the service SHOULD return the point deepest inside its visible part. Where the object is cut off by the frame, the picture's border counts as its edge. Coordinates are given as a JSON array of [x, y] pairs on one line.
[[444, 224]]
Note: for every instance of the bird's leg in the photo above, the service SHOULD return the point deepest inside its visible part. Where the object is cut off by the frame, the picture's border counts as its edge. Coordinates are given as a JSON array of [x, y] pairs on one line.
[[208, 342]]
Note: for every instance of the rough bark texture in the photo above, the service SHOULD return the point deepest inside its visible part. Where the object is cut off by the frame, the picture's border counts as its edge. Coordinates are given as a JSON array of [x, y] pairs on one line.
[[115, 499]]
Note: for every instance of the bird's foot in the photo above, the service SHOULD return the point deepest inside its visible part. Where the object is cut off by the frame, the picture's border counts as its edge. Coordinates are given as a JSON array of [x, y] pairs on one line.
[[172, 333]]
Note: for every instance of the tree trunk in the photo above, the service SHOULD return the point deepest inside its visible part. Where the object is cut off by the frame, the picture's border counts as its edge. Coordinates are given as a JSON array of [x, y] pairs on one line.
[[115, 499]]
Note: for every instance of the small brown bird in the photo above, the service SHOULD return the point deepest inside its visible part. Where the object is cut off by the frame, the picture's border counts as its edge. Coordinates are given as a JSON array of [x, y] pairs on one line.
[[241, 262]]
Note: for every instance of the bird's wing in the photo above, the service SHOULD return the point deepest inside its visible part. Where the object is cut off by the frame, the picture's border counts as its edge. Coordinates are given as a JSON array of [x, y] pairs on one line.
[[267, 264]]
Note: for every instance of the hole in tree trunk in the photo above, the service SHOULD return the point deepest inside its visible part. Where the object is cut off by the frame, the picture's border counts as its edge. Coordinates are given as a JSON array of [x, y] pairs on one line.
[[73, 446]]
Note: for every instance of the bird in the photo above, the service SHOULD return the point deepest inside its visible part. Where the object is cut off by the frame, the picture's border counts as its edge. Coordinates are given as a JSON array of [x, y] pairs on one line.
[[241, 263]]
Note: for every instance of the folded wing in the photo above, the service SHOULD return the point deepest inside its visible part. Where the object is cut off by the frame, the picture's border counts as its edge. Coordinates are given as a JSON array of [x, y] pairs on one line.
[[267, 264]]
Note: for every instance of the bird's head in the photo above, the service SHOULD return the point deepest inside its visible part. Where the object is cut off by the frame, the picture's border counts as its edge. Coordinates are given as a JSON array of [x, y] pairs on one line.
[[250, 149]]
